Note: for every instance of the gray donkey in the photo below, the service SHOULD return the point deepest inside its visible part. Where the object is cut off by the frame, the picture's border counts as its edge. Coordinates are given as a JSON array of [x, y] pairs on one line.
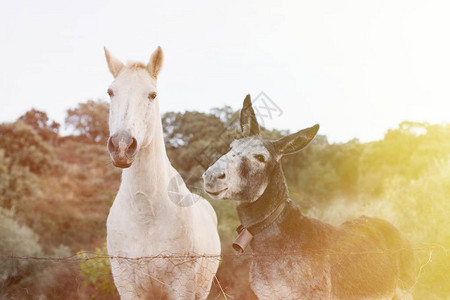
[[295, 256]]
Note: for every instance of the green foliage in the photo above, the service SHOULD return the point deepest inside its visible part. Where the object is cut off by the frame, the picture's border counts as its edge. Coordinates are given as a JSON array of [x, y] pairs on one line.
[[23, 147], [17, 184], [422, 208], [187, 135], [96, 271], [23, 157], [40, 122], [407, 151], [17, 240], [90, 120], [22, 275], [61, 192], [323, 171]]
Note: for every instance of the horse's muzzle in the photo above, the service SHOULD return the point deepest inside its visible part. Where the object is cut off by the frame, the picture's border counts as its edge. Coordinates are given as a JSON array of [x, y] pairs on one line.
[[122, 148]]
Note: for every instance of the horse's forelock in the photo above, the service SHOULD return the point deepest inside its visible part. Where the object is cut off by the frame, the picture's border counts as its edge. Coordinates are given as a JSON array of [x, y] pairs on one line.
[[135, 65]]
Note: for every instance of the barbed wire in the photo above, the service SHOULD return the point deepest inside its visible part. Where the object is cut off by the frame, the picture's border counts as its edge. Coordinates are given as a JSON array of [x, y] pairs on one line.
[[180, 262], [88, 255]]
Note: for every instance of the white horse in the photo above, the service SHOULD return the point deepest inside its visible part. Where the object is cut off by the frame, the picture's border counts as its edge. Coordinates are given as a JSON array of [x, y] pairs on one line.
[[162, 240]]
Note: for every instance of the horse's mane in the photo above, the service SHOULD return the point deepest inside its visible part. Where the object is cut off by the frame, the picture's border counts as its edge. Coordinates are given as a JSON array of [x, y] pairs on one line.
[[136, 65]]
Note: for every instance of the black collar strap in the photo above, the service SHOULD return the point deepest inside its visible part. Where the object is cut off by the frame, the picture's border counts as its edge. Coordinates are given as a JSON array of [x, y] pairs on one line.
[[246, 233]]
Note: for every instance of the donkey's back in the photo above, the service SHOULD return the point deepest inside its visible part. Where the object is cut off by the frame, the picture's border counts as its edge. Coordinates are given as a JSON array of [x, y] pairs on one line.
[[370, 256]]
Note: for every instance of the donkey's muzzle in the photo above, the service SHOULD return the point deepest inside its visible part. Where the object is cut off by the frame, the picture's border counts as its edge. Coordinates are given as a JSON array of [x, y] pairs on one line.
[[122, 148]]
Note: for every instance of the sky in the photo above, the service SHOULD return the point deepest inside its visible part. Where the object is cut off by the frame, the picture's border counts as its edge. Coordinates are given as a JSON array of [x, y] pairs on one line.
[[355, 67]]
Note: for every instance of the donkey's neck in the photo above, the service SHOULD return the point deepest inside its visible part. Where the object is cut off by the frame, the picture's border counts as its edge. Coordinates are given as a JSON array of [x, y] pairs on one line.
[[275, 193]]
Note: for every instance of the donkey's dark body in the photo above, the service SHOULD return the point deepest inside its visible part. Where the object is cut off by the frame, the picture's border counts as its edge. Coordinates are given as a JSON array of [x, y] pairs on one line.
[[297, 257]]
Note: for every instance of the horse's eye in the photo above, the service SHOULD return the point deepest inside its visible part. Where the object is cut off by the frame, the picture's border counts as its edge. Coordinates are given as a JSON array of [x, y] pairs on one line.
[[260, 157], [110, 92], [152, 96]]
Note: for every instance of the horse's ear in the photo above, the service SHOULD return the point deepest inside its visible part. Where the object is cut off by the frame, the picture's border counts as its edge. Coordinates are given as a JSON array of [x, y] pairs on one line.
[[249, 124], [296, 141], [155, 63], [114, 64]]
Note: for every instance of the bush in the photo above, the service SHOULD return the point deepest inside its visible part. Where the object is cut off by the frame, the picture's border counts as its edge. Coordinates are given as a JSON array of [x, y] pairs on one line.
[[16, 240], [17, 184], [96, 272], [419, 208], [423, 208]]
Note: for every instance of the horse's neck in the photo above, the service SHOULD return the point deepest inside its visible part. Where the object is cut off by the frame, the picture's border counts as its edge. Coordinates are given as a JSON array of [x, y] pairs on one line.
[[149, 171], [149, 175]]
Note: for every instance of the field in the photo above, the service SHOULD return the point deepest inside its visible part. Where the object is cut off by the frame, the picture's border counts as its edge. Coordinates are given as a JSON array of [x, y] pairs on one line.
[[55, 193]]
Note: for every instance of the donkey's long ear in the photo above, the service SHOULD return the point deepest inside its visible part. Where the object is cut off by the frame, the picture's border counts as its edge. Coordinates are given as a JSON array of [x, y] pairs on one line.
[[296, 141], [155, 63], [249, 124], [114, 64]]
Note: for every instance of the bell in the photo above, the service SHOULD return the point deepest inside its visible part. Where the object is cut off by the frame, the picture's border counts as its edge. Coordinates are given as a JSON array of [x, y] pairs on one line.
[[242, 240]]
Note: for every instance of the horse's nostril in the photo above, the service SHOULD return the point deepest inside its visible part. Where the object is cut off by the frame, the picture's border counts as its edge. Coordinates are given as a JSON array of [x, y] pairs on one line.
[[222, 176], [110, 145], [133, 147]]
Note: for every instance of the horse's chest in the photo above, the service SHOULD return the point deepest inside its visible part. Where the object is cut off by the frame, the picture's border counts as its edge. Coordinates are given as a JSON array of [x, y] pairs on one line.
[[290, 277], [136, 233]]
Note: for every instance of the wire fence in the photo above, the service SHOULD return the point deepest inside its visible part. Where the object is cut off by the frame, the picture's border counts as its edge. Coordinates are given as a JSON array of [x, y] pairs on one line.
[[89, 255], [182, 274]]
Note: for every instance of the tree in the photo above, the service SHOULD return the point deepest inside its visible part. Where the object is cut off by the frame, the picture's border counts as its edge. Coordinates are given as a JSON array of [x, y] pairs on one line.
[[188, 135], [90, 120], [40, 122], [24, 156], [24, 147]]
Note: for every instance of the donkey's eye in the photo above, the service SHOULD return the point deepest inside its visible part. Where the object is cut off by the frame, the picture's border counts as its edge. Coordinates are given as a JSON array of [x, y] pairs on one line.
[[260, 157], [152, 96], [110, 92]]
